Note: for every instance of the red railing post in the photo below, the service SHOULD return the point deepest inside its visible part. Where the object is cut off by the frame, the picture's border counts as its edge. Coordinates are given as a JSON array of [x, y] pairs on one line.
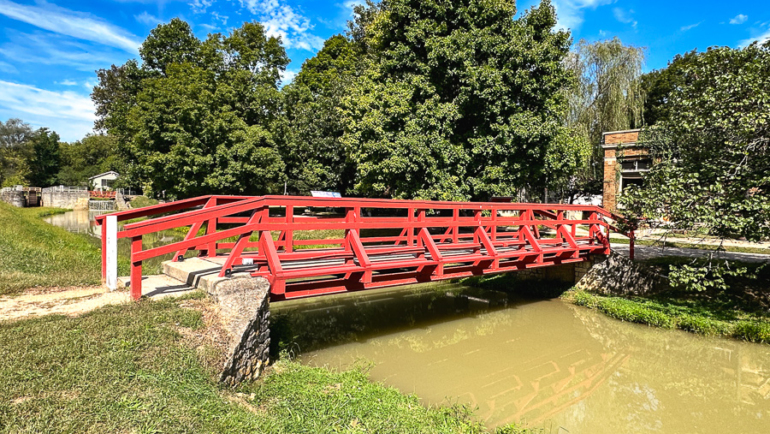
[[631, 237], [136, 268], [211, 228]]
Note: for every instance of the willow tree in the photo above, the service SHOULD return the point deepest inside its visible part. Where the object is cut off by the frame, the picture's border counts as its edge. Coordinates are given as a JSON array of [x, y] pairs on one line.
[[608, 96]]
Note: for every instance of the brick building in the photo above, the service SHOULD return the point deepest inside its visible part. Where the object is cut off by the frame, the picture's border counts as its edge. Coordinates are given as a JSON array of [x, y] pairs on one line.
[[624, 164]]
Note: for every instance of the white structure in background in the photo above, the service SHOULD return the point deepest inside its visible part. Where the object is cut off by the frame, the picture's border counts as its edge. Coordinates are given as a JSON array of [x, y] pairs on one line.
[[103, 181]]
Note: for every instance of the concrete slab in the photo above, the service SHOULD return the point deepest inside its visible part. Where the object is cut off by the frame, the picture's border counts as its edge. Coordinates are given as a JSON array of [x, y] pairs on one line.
[[191, 270], [159, 286]]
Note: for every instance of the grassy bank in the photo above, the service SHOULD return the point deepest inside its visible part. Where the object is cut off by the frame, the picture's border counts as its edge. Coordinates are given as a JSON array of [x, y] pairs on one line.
[[742, 311], [140, 368], [678, 314], [34, 253]]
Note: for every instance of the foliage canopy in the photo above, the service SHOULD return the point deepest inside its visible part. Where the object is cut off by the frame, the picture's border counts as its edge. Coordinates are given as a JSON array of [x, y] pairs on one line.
[[197, 116], [459, 101], [712, 149]]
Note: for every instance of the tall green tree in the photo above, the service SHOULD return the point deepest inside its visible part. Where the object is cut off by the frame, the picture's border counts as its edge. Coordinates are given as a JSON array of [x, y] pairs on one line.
[[315, 154], [608, 95], [460, 101], [712, 152], [94, 154], [46, 160], [197, 116], [15, 152], [658, 86]]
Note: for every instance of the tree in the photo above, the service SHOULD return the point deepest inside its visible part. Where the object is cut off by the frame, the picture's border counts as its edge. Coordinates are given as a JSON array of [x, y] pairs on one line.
[[94, 154], [459, 101], [658, 86], [712, 152], [608, 97], [315, 154], [15, 152], [197, 117], [46, 160]]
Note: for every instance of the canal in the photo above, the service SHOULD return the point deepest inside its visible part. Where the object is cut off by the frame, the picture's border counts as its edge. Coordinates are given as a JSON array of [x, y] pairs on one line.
[[544, 363]]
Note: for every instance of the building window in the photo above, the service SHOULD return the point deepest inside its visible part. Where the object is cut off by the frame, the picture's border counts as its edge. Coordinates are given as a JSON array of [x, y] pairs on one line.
[[639, 165]]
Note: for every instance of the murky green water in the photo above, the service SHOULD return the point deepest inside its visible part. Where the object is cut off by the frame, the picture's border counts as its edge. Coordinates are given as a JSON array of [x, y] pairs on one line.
[[546, 363]]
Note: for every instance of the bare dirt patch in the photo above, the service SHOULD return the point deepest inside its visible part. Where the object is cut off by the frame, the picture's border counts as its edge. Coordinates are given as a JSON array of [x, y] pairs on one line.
[[70, 301]]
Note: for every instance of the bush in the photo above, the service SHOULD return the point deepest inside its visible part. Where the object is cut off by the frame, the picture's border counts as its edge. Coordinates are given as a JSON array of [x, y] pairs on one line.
[[582, 298], [752, 331], [703, 325]]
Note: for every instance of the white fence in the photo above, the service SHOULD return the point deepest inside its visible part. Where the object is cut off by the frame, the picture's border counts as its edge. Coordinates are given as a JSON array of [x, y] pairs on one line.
[[63, 189]]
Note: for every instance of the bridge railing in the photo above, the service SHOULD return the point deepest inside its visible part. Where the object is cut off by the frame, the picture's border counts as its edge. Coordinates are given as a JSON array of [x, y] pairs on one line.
[[364, 243]]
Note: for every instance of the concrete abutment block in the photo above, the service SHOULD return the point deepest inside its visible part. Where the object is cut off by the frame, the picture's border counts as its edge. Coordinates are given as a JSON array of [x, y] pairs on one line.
[[244, 303]]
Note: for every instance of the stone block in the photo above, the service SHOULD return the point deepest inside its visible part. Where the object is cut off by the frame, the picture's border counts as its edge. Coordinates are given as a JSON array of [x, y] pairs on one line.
[[618, 275], [245, 311]]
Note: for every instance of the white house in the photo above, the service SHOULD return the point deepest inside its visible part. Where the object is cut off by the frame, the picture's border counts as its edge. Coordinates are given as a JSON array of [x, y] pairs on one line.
[[103, 181]]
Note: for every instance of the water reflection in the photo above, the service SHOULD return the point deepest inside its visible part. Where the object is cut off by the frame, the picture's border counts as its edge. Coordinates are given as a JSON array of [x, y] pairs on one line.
[[546, 363], [80, 222]]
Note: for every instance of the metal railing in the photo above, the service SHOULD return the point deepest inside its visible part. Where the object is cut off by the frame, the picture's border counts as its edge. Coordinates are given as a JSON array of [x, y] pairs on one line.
[[377, 242]]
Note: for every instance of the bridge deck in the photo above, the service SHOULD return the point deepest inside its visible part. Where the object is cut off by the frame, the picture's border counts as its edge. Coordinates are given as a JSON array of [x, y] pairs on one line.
[[378, 242]]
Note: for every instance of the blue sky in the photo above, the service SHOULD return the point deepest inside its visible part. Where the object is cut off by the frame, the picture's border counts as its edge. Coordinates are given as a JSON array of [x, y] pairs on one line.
[[49, 50]]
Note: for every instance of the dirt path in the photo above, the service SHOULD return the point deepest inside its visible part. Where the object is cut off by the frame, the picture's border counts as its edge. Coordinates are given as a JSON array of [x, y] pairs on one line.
[[62, 301], [648, 252]]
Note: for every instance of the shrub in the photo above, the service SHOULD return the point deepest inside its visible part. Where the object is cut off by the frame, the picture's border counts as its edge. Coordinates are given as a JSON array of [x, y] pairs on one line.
[[752, 331], [703, 325]]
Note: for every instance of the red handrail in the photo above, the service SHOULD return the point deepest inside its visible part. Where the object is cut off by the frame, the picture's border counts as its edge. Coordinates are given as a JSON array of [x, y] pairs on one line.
[[437, 240]]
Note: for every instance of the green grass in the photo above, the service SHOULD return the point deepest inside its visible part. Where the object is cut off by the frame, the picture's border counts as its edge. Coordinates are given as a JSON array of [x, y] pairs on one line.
[[127, 368], [35, 253], [703, 317]]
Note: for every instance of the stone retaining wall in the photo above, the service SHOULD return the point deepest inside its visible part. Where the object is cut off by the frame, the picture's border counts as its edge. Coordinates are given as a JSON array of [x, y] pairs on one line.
[[618, 275], [14, 197], [65, 199]]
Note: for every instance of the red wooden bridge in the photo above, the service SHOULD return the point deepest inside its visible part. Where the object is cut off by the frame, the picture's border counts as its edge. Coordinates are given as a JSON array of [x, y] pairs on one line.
[[376, 242]]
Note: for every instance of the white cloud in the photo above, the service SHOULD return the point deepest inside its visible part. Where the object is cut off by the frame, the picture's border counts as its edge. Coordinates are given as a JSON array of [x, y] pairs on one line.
[[146, 18], [739, 19], [67, 82], [570, 13], [200, 6], [78, 25], [8, 68], [287, 76], [221, 18], [624, 16], [68, 113], [690, 27], [764, 37], [51, 49], [280, 20]]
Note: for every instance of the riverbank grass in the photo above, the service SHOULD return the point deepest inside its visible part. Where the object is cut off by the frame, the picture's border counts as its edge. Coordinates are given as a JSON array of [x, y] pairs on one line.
[[702, 318], [140, 367], [34, 253]]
